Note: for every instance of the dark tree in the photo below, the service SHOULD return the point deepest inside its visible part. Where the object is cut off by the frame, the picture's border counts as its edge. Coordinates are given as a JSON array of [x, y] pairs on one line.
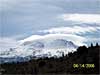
[[61, 65], [91, 44], [97, 45]]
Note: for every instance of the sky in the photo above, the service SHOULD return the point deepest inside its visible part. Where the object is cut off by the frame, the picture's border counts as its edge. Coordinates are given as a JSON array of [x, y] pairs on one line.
[[22, 19]]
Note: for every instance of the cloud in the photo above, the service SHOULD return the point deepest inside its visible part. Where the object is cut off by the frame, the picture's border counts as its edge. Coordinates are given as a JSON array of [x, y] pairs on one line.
[[71, 30], [68, 33], [50, 37], [82, 33], [6, 43], [24, 16], [85, 18], [5, 4]]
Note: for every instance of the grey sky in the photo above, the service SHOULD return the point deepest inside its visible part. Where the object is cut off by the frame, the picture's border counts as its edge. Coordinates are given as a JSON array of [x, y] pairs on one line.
[[27, 16], [20, 19]]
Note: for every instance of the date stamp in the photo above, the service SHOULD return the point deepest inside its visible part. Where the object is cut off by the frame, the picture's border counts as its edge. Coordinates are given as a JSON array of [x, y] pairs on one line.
[[83, 66]]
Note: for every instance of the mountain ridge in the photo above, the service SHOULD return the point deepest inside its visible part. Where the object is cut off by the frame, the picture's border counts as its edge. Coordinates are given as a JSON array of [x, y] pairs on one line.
[[38, 49]]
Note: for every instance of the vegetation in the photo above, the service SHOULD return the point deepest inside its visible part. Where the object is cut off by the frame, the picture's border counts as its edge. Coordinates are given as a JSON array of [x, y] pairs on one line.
[[83, 61]]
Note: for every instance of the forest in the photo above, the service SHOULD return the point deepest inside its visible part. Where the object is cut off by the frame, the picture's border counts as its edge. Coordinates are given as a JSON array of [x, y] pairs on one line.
[[85, 60]]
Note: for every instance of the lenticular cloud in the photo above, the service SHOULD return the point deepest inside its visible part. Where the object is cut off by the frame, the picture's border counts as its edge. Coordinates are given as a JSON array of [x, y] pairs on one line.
[[71, 30], [85, 18]]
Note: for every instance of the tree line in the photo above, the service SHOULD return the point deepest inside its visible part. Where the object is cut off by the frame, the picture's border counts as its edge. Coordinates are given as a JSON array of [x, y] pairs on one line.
[[85, 60]]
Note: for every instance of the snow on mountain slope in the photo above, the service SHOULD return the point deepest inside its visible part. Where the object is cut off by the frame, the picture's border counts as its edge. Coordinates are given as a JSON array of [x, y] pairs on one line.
[[49, 44], [39, 47], [60, 44]]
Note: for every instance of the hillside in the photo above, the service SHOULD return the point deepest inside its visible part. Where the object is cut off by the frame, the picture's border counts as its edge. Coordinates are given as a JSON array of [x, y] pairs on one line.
[[83, 61]]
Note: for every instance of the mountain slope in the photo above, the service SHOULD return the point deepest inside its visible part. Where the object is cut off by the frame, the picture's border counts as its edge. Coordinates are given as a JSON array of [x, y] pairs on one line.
[[38, 49], [87, 60]]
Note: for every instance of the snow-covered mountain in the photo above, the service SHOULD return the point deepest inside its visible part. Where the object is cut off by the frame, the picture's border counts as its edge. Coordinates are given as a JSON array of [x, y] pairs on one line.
[[37, 48], [60, 44]]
